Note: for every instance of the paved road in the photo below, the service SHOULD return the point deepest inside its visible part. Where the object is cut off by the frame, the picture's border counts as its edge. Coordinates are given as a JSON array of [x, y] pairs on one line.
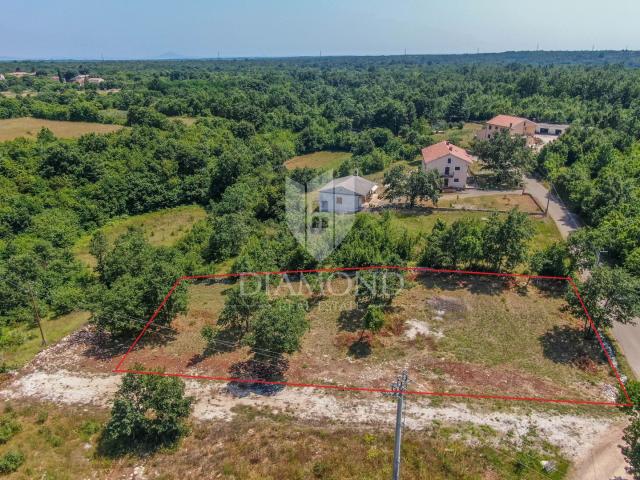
[[605, 461], [566, 221]]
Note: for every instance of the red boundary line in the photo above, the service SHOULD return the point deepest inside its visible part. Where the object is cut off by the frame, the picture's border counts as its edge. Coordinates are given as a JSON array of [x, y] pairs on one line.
[[379, 390]]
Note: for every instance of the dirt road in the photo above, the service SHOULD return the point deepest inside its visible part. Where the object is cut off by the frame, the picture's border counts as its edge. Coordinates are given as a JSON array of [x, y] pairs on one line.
[[574, 434]]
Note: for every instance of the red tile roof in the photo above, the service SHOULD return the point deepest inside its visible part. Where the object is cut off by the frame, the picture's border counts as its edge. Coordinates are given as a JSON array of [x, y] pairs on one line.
[[442, 149], [507, 121]]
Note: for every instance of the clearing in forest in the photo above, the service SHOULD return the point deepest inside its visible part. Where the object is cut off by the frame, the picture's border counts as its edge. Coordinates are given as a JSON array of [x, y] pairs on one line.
[[12, 128], [458, 334], [324, 160]]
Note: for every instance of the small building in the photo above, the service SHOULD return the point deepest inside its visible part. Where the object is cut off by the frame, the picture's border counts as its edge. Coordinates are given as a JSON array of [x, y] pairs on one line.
[[95, 80], [551, 129], [450, 161], [1, 77], [515, 125], [346, 194]]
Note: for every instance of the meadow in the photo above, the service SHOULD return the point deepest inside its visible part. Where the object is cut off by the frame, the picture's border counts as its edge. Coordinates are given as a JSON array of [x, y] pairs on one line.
[[29, 127]]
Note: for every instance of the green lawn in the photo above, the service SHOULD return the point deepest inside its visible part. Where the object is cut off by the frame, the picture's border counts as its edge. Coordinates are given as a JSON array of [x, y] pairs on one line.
[[324, 160], [54, 330], [460, 137], [421, 222], [161, 228]]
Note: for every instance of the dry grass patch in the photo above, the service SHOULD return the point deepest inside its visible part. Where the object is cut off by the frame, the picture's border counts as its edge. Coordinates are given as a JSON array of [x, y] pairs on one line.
[[457, 334], [12, 128], [323, 160], [499, 201], [161, 228]]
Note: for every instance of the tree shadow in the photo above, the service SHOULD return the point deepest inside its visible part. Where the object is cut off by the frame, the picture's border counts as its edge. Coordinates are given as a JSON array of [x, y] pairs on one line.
[[488, 285], [568, 345], [224, 341], [350, 320], [105, 346], [254, 376], [361, 348]]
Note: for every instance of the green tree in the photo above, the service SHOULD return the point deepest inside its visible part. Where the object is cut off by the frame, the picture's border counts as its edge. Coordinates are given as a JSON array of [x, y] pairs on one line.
[[377, 287], [135, 280], [505, 240], [610, 295], [373, 320], [278, 329], [631, 448], [552, 260], [98, 247], [422, 185], [395, 183], [149, 412], [243, 302], [506, 156]]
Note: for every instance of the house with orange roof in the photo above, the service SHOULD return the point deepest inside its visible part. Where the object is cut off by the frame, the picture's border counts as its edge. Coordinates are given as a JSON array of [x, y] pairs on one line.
[[515, 125], [451, 161]]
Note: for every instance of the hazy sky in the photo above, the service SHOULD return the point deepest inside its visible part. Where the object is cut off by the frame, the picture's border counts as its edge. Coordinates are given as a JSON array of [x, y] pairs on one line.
[[201, 28]]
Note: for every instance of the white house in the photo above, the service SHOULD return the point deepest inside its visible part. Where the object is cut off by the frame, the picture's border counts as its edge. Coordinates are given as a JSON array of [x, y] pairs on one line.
[[346, 194], [450, 161], [1, 77]]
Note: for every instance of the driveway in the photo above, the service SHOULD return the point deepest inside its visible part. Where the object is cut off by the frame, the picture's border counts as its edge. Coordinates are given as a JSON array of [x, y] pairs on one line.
[[566, 221]]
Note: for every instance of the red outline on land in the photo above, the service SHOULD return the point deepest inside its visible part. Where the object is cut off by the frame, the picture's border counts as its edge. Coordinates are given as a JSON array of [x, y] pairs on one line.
[[380, 390]]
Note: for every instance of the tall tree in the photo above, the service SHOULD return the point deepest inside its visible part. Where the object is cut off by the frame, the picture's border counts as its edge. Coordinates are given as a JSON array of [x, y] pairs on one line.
[[506, 156], [610, 295], [505, 240]]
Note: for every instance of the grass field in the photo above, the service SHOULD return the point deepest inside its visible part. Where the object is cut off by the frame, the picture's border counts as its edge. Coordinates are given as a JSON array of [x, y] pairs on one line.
[[324, 160], [494, 201], [460, 137], [54, 330], [421, 222], [161, 228], [457, 334], [12, 128], [58, 443]]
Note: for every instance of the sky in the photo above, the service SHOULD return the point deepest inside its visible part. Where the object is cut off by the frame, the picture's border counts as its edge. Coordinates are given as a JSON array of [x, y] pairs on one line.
[[125, 29]]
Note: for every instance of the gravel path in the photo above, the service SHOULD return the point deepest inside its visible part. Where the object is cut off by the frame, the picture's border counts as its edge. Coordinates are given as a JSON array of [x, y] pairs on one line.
[[215, 401]]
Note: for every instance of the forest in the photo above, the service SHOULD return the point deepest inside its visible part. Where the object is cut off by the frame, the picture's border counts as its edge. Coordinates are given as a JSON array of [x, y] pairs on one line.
[[252, 116]]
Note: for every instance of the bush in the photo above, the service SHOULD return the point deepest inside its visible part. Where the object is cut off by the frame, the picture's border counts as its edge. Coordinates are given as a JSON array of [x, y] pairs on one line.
[[148, 413], [8, 428], [10, 462]]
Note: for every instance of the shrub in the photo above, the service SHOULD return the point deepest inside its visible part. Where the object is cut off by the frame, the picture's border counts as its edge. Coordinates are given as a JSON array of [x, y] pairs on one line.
[[8, 428], [148, 413], [10, 462]]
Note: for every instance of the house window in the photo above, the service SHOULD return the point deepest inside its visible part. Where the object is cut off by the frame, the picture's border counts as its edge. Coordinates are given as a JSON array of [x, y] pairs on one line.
[[339, 200], [489, 127], [457, 168], [324, 206], [455, 180], [448, 160]]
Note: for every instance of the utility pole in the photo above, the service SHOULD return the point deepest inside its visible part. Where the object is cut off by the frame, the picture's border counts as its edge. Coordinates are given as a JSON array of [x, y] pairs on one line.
[[399, 388], [36, 313], [546, 210]]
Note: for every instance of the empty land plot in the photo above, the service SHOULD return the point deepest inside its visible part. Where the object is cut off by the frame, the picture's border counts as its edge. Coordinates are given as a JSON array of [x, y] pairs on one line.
[[324, 160], [460, 136], [12, 128], [457, 334], [161, 228], [495, 201]]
